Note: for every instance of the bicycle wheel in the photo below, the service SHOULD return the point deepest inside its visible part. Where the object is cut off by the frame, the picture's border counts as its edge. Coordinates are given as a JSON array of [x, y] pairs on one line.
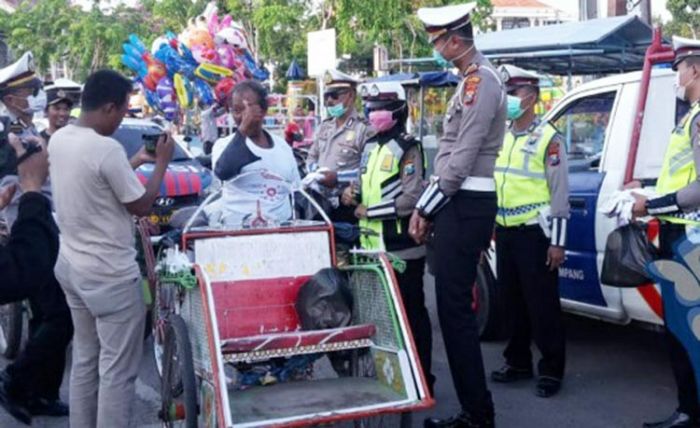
[[11, 326], [178, 386]]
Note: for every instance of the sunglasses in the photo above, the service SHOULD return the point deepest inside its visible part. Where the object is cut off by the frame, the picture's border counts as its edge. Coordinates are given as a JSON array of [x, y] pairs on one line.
[[334, 95]]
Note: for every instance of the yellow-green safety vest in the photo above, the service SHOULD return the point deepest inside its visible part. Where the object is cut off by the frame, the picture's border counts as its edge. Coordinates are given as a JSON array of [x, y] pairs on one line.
[[521, 183], [678, 169], [381, 182]]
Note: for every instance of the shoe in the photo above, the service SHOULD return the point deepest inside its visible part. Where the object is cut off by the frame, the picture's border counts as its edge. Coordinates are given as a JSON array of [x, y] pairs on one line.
[[460, 420], [547, 386], [676, 420], [46, 407], [14, 407], [508, 374]]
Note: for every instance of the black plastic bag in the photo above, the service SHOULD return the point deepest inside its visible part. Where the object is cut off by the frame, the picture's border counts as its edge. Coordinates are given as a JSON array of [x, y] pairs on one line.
[[325, 301], [627, 253]]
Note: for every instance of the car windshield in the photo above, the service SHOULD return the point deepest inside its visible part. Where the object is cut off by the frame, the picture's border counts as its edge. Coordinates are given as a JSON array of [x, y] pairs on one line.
[[131, 138]]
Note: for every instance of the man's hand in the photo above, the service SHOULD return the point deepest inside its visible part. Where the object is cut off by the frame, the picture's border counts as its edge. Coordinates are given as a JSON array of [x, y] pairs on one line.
[[165, 149], [639, 209], [348, 196], [330, 180], [6, 194], [34, 170], [634, 184], [251, 119], [141, 157], [418, 228], [361, 212], [555, 257]]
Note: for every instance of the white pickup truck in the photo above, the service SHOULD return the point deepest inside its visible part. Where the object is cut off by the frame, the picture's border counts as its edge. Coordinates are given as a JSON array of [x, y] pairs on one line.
[[617, 129]]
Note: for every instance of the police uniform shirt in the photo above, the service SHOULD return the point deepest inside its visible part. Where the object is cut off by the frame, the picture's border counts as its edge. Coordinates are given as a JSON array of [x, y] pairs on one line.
[[473, 127], [339, 148], [688, 198]]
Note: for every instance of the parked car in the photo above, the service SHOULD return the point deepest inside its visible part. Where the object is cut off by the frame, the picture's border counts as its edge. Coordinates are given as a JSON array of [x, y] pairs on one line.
[[185, 179]]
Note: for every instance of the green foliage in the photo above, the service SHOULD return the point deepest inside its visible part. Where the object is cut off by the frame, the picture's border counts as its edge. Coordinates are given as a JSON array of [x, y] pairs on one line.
[[86, 40], [686, 18]]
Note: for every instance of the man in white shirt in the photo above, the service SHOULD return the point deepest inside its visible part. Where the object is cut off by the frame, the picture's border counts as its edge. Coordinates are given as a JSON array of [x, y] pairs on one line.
[[236, 158], [96, 193]]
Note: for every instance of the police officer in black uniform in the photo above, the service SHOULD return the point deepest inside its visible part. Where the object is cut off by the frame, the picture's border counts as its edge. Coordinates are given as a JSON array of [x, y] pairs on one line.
[[461, 201], [30, 385]]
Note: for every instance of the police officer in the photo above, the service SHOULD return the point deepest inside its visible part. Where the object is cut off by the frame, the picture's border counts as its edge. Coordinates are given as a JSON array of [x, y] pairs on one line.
[[532, 187], [338, 143], [61, 96], [461, 201], [390, 184], [679, 183], [29, 386]]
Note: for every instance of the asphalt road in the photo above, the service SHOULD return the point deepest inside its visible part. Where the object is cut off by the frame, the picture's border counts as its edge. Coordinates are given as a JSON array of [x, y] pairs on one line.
[[616, 377]]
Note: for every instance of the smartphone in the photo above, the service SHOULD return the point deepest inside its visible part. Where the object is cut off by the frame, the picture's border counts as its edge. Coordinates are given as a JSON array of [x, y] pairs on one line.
[[150, 141]]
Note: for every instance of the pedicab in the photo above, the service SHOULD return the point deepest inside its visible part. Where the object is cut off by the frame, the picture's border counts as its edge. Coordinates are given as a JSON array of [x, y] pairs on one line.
[[234, 351]]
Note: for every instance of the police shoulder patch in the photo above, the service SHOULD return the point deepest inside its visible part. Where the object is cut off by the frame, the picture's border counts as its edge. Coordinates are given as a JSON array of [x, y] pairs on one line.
[[553, 153]]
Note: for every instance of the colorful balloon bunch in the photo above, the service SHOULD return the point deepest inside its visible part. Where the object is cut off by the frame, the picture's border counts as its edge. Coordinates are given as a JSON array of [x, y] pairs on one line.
[[199, 67]]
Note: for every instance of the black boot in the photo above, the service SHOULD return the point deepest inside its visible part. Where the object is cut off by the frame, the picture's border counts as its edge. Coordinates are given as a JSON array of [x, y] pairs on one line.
[[547, 386], [14, 407], [676, 420], [46, 407], [460, 420], [508, 374]]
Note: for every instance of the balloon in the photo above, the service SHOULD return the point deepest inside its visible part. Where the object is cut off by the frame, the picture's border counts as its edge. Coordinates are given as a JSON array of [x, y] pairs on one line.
[[152, 99], [203, 54], [137, 43], [212, 73], [165, 90], [156, 71], [203, 92], [257, 72], [174, 63], [223, 89], [227, 56], [200, 37], [183, 90], [231, 36], [136, 65], [158, 42]]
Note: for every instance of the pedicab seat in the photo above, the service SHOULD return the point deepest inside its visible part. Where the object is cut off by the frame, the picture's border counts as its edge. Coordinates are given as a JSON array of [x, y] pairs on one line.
[[259, 321]]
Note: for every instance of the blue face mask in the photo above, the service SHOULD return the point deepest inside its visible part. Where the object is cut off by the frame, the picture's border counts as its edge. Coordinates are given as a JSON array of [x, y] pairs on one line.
[[336, 111], [440, 60], [514, 109]]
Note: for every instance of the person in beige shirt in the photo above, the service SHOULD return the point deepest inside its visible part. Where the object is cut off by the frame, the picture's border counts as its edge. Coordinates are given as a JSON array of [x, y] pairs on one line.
[[96, 193]]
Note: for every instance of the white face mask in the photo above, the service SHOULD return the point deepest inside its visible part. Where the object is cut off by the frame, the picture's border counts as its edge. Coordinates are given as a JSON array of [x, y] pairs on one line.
[[36, 103], [681, 92]]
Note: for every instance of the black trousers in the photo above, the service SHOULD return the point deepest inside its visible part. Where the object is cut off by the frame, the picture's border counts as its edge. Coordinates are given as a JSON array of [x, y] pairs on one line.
[[688, 401], [38, 370], [532, 296], [463, 230], [411, 285]]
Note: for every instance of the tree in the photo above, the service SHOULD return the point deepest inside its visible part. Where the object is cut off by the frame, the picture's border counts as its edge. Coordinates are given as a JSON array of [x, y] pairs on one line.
[[686, 18]]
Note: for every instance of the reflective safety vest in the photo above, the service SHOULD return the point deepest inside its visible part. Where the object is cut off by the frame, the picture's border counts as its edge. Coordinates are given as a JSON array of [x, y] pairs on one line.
[[521, 183], [678, 169], [380, 183]]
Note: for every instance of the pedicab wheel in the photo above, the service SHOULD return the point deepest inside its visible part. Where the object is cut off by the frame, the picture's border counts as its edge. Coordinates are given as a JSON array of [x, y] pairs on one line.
[[178, 388], [11, 326]]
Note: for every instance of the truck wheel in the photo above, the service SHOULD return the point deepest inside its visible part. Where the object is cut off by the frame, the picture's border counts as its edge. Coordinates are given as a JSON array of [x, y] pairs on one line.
[[489, 304]]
